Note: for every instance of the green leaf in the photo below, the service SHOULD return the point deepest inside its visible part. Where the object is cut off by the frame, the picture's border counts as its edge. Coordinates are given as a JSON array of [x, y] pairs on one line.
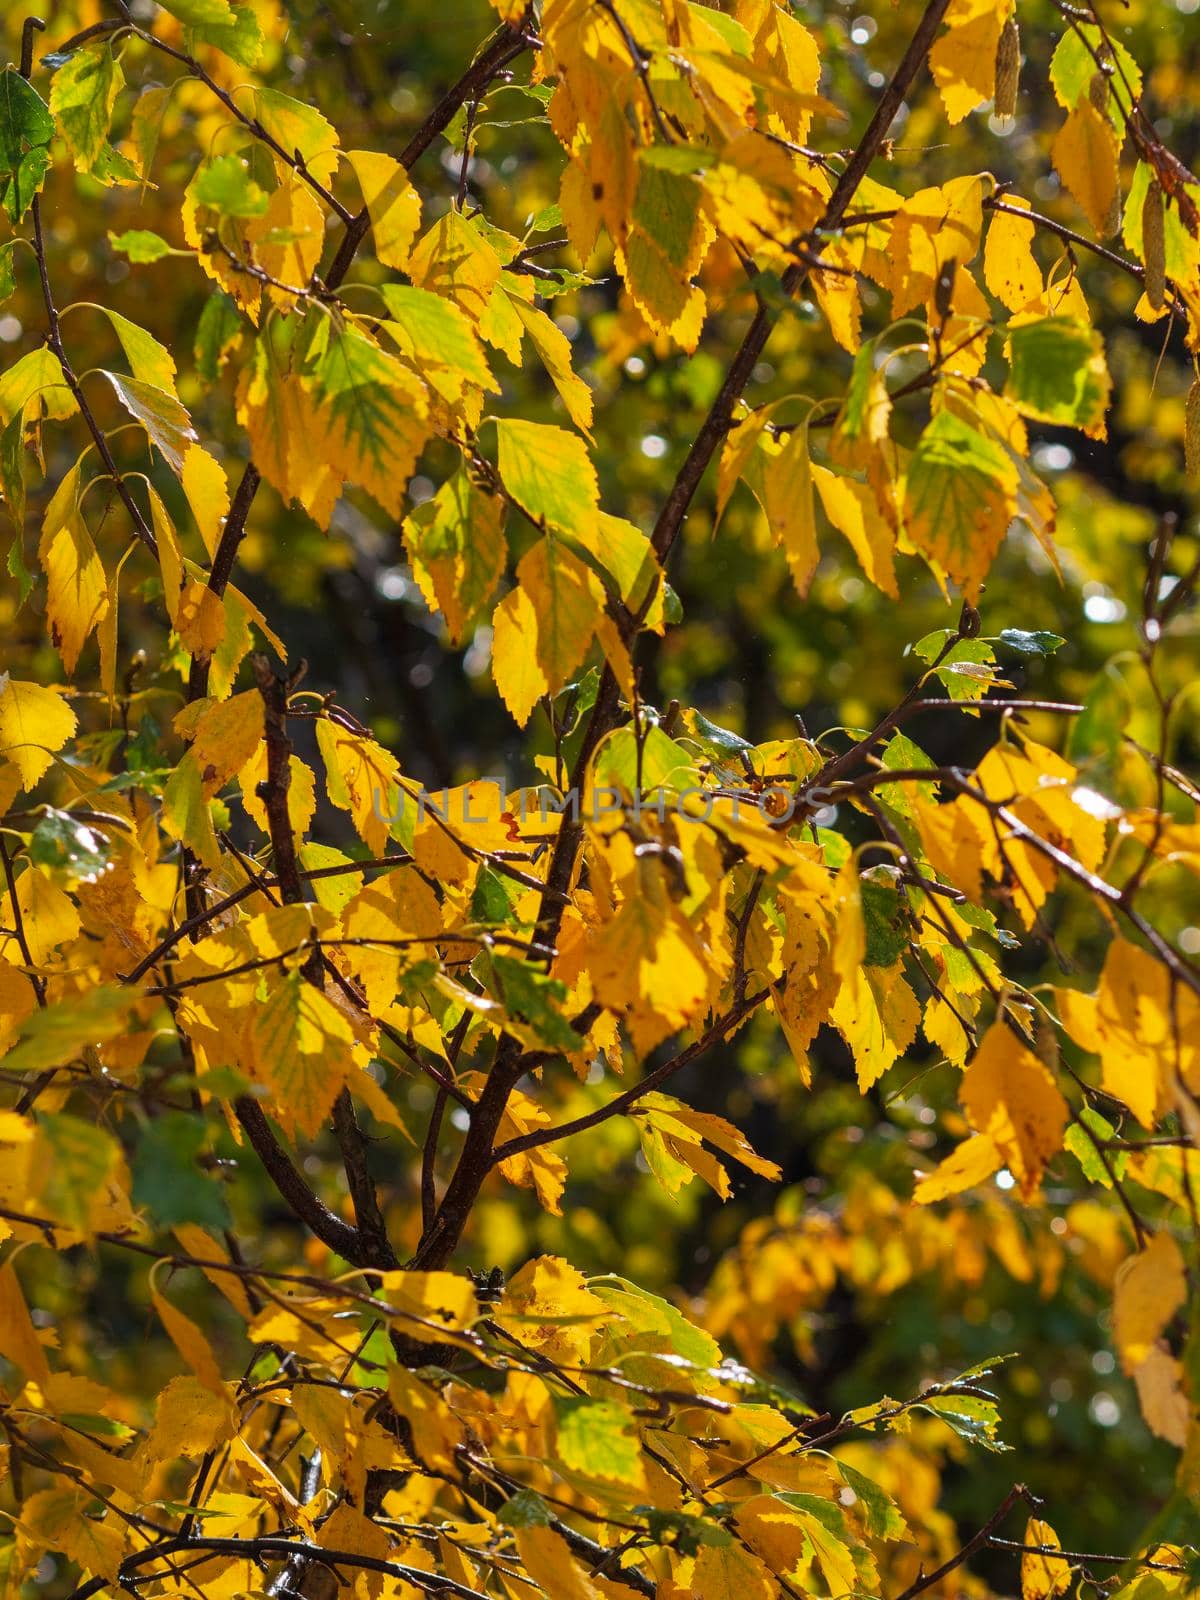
[[650, 1313], [112, 167], [598, 1439], [166, 1179], [12, 468], [82, 98], [82, 1158], [1073, 66], [679, 1531], [375, 409], [58, 1034], [150, 362], [1095, 738], [491, 900], [217, 332], [972, 1417], [140, 245], [15, 563], [525, 1509], [7, 269], [1084, 1149], [1031, 644], [19, 190], [880, 1512], [536, 1000], [960, 499], [242, 40], [885, 922], [456, 545], [61, 840], [26, 129], [1057, 372], [435, 336], [962, 671], [225, 185], [200, 13], [547, 219], [549, 474]]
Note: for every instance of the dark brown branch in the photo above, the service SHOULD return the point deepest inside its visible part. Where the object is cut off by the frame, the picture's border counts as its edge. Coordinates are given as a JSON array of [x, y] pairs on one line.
[[504, 46], [54, 341], [974, 1543], [343, 1239], [1070, 237], [624, 1102], [371, 1246]]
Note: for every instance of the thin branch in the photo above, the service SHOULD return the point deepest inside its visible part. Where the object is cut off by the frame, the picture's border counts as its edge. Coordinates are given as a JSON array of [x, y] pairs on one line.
[[976, 1542], [624, 1102]]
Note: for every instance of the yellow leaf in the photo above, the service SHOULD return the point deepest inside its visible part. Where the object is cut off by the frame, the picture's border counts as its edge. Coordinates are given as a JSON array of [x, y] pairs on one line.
[[961, 496], [1162, 1397], [197, 1243], [436, 1431], [300, 1047], [301, 794], [456, 545], [1008, 1093], [35, 721], [549, 1307], [1150, 1287], [547, 1559], [519, 678], [207, 491], [877, 1014], [18, 1338], [540, 1169], [190, 1342], [555, 350], [55, 1519], [454, 259], [288, 237], [48, 915], [200, 619], [189, 1421], [1085, 151], [361, 778], [446, 1299], [185, 812], [933, 228], [647, 962], [76, 589], [224, 735], [568, 601], [729, 1572], [392, 203], [549, 474], [973, 1161], [1009, 268], [854, 511], [402, 905], [787, 498], [963, 60], [1042, 1576]]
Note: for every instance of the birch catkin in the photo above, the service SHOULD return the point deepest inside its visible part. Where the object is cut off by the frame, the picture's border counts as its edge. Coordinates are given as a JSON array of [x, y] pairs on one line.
[[1154, 246], [1008, 70], [1191, 430]]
